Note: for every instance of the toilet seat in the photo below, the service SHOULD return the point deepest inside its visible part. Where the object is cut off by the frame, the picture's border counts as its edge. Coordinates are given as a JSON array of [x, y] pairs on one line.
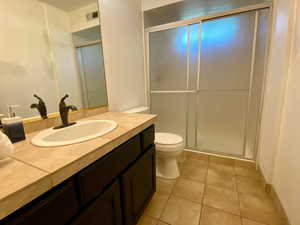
[[168, 142]]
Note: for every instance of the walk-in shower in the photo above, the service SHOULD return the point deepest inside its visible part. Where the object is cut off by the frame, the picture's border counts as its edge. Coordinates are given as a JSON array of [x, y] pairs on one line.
[[205, 79]]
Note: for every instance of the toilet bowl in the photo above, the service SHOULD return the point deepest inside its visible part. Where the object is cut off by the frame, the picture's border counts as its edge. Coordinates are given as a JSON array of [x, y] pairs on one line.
[[169, 148]]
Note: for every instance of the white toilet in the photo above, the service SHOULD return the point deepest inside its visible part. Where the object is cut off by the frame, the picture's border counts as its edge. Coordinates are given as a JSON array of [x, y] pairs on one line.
[[168, 149]]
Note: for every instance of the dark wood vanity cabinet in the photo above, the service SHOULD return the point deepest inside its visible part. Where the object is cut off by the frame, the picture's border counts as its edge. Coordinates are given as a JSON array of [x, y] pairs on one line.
[[55, 207], [105, 210], [114, 190], [138, 185], [96, 177]]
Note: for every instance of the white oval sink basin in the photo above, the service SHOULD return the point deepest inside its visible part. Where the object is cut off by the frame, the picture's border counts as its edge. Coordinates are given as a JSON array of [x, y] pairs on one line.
[[80, 132]]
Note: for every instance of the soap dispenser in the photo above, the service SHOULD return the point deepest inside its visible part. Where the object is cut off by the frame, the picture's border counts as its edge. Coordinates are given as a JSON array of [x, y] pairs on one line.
[[13, 126]]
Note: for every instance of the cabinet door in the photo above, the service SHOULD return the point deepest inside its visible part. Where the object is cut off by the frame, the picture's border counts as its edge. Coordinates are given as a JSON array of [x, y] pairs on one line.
[[147, 138], [55, 207], [105, 210], [138, 185], [21, 220], [93, 180]]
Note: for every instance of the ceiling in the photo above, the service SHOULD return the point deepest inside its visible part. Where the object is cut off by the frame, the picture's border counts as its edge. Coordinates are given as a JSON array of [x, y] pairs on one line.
[[69, 5]]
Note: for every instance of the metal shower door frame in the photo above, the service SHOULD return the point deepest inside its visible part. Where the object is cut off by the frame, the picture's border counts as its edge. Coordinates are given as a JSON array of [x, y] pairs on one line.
[[200, 20]]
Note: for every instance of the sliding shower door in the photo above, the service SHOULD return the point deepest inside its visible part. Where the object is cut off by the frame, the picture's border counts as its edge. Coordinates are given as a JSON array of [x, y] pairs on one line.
[[206, 81], [168, 79], [225, 71]]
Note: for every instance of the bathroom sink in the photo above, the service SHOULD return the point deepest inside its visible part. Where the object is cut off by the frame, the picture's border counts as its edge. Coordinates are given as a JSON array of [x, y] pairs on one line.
[[80, 132]]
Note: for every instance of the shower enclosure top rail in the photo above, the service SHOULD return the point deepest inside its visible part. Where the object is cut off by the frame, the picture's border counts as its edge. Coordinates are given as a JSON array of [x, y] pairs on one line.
[[208, 17]]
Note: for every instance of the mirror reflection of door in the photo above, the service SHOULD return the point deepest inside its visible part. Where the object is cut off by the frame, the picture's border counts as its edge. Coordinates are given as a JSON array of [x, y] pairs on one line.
[[92, 75]]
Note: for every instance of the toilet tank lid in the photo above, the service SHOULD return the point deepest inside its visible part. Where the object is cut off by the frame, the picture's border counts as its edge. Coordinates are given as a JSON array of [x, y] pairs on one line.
[[141, 109], [167, 138]]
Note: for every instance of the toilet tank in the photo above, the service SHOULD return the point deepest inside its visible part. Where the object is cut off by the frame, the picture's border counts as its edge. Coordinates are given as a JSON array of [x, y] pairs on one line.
[[140, 109]]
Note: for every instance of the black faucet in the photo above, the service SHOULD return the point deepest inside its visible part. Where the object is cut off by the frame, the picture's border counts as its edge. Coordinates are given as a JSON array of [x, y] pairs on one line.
[[41, 107], [64, 113]]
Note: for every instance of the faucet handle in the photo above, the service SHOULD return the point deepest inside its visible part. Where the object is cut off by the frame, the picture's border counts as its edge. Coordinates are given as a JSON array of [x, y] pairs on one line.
[[41, 107], [38, 98], [64, 98]]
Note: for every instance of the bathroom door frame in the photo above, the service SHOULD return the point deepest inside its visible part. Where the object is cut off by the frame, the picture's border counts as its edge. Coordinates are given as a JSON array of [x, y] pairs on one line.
[[200, 20]]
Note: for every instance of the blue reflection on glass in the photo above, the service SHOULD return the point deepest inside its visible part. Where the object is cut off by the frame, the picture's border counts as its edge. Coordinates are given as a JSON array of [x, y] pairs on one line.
[[194, 39], [181, 39], [217, 32], [220, 31]]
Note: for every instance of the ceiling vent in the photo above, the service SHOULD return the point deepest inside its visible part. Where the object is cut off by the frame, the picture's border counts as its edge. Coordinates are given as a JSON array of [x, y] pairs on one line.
[[92, 15]]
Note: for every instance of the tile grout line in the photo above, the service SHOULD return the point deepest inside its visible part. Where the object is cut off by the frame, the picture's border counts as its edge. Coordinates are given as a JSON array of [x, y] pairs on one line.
[[222, 210], [165, 206], [204, 191], [31, 165], [237, 192]]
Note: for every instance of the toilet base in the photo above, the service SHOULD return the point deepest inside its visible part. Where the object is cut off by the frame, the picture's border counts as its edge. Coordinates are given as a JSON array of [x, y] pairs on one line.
[[167, 168]]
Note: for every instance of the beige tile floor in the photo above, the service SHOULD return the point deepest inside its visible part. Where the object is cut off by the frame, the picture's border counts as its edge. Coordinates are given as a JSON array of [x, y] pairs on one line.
[[212, 191]]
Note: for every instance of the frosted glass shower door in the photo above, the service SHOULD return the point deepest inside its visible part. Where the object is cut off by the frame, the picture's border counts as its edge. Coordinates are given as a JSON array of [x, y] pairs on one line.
[[225, 73], [169, 88]]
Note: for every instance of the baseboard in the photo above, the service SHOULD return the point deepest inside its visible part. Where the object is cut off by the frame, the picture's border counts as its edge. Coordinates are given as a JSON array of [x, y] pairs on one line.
[[272, 192]]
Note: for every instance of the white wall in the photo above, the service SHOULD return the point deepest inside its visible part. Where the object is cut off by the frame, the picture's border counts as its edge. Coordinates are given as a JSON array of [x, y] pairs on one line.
[[287, 168], [78, 18], [63, 54], [275, 86], [36, 56], [25, 64], [151, 4], [280, 138], [122, 36]]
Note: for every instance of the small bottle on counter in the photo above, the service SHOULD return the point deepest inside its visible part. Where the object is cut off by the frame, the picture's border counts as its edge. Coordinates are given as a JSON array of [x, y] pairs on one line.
[[13, 126]]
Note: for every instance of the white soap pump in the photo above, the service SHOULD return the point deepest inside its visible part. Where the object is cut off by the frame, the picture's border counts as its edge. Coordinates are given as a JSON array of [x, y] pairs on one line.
[[6, 147]]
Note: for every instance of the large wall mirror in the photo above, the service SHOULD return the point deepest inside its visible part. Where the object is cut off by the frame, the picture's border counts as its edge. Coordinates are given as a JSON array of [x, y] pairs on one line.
[[50, 48]]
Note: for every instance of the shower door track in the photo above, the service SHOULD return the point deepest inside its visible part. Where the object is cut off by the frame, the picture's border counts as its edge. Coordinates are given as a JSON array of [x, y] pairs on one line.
[[211, 16], [199, 20]]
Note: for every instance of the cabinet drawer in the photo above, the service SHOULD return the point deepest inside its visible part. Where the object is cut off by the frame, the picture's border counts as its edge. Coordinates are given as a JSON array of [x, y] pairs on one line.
[[105, 210], [147, 137], [57, 207], [138, 184], [94, 178]]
